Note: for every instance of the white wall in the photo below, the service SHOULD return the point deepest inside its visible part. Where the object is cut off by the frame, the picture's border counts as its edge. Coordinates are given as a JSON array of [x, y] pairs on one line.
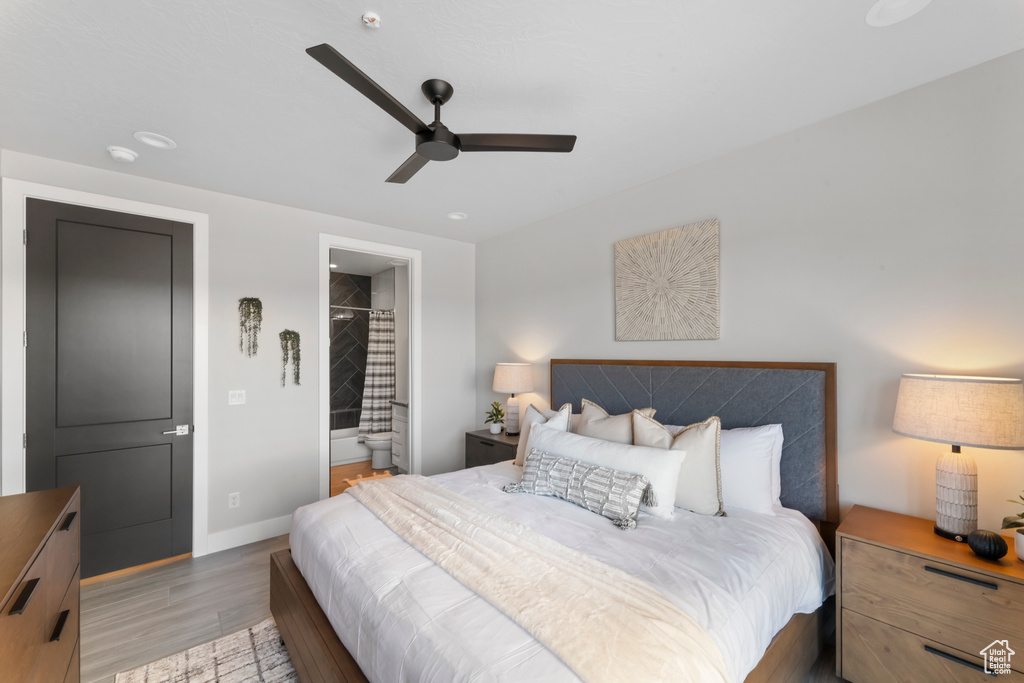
[[402, 335], [268, 449], [888, 239]]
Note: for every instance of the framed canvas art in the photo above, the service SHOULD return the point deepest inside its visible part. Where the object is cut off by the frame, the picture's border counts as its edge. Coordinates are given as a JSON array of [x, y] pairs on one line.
[[666, 284]]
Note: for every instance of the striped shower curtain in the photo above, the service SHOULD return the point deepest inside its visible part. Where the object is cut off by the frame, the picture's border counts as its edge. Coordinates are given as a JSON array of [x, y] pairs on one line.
[[379, 389]]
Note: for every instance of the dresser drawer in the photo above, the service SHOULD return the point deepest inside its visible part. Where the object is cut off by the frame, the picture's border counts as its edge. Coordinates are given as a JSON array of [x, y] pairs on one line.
[[874, 652], [22, 633], [61, 637], [939, 601], [64, 548], [74, 674]]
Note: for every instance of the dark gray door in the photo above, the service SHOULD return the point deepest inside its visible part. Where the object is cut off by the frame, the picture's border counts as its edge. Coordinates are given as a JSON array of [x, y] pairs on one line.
[[108, 373]]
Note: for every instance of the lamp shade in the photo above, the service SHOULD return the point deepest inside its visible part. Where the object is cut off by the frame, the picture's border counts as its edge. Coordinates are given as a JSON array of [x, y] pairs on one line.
[[513, 378], [983, 412]]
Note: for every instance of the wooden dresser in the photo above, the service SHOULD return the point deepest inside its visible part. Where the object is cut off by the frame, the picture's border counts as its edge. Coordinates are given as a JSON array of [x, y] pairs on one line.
[[39, 571], [913, 606], [484, 448]]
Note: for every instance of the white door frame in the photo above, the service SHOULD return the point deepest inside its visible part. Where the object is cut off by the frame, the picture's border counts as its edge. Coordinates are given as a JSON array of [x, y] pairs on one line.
[[415, 258], [12, 394]]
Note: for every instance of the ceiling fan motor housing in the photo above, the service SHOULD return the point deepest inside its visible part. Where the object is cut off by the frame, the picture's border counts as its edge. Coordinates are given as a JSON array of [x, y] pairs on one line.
[[437, 143]]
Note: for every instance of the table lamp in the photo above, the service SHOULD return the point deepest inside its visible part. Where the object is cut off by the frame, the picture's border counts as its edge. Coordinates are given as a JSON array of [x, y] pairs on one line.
[[979, 412], [512, 378]]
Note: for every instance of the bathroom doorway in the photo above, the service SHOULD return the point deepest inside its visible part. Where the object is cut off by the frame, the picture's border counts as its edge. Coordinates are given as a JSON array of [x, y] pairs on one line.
[[369, 357]]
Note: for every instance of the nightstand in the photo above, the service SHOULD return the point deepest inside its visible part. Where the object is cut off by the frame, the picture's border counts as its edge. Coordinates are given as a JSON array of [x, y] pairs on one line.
[[484, 448], [913, 606]]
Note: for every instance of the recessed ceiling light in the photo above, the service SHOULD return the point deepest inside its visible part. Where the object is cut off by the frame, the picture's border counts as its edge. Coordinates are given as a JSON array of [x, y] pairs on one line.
[[457, 216], [889, 12], [334, 265], [122, 154], [155, 140]]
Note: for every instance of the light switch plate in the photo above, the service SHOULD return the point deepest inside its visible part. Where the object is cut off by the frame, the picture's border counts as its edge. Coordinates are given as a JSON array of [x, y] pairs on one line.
[[236, 397]]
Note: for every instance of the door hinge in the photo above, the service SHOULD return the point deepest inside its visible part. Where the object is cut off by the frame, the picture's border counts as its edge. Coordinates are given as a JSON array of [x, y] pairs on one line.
[[24, 338], [24, 237], [24, 440]]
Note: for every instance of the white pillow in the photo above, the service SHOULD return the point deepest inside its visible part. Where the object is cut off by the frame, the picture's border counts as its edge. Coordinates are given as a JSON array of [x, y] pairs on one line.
[[557, 419], [765, 436], [660, 466], [700, 481], [747, 456], [596, 423]]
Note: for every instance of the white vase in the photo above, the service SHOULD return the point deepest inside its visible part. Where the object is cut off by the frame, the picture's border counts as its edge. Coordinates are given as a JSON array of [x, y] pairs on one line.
[[1018, 543], [495, 428]]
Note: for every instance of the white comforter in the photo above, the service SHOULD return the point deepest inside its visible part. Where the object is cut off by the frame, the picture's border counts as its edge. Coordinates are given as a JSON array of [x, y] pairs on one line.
[[403, 618]]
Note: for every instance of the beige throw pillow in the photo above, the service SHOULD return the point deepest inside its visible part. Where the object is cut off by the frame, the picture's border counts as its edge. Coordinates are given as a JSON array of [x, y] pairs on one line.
[[596, 423], [558, 419], [700, 477]]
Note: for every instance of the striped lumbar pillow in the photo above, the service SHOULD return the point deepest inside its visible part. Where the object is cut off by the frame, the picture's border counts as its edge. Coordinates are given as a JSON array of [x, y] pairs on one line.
[[611, 493]]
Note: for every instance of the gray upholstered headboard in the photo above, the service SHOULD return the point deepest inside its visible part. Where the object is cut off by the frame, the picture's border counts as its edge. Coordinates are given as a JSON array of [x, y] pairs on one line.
[[800, 396]]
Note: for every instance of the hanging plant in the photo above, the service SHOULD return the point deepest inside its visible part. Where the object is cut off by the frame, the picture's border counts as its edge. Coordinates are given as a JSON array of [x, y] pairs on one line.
[[250, 321], [290, 344]]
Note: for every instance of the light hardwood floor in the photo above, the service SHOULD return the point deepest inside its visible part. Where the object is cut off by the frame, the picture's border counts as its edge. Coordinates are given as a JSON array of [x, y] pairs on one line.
[[131, 620], [134, 619], [339, 473]]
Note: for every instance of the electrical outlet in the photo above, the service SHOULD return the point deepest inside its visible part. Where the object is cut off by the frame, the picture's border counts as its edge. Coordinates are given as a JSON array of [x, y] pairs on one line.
[[236, 397], [234, 500]]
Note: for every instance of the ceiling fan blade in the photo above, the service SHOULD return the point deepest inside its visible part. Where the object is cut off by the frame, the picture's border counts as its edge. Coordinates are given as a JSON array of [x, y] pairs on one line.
[[350, 73], [408, 169], [500, 142]]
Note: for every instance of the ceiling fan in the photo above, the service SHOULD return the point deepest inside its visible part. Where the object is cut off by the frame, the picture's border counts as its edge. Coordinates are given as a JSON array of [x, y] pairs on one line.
[[434, 142]]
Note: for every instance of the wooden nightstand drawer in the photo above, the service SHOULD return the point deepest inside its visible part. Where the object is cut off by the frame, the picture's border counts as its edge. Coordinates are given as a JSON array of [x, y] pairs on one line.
[[940, 601], [877, 652]]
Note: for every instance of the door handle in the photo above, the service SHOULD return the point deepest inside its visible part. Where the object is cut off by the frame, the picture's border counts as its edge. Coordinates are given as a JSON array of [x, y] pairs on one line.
[[180, 430]]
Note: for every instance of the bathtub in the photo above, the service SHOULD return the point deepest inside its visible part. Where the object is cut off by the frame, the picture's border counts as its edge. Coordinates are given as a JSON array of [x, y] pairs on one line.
[[345, 449]]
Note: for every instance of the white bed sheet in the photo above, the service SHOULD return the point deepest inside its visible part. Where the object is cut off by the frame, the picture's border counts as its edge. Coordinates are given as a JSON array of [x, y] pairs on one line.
[[403, 618]]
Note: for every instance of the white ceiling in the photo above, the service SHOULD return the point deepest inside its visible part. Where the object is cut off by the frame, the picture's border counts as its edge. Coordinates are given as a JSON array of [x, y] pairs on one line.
[[649, 87], [362, 263]]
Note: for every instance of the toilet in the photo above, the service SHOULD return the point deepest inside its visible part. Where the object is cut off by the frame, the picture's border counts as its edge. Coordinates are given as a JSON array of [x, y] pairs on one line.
[[380, 449]]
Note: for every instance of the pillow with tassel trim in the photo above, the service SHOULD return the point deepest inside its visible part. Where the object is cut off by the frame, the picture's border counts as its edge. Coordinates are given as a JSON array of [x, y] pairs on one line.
[[610, 493]]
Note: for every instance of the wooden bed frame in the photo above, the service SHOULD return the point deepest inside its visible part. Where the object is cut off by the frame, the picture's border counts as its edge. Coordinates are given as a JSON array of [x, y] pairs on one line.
[[319, 656]]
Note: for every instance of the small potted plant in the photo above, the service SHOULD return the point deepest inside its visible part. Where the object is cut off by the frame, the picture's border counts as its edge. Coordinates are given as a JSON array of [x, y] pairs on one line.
[[1014, 521], [495, 416]]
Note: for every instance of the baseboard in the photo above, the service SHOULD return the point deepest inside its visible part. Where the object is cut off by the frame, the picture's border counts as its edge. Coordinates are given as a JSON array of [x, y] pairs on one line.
[[250, 533]]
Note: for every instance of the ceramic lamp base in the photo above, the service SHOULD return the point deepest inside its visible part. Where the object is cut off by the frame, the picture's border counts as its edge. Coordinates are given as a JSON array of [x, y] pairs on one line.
[[956, 495], [512, 416]]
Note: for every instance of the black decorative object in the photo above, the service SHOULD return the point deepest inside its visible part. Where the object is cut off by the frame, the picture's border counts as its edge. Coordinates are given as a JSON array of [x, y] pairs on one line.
[[987, 544], [290, 344], [434, 142], [250, 321]]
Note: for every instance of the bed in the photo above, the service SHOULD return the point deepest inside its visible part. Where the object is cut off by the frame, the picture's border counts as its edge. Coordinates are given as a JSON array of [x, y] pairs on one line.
[[376, 587]]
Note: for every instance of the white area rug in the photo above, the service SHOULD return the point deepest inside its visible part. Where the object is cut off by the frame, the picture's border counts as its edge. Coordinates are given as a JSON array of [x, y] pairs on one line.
[[254, 655]]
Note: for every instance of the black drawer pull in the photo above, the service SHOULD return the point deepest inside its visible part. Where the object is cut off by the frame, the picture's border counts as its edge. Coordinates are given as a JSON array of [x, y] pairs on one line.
[[976, 582], [26, 594], [958, 660], [69, 519], [59, 627], [487, 443]]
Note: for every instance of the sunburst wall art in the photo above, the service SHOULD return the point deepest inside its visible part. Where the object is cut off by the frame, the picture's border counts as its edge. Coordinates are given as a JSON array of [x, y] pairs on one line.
[[666, 284]]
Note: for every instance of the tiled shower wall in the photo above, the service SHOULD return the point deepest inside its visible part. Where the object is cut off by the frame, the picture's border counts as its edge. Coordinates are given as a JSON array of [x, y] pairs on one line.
[[348, 348]]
